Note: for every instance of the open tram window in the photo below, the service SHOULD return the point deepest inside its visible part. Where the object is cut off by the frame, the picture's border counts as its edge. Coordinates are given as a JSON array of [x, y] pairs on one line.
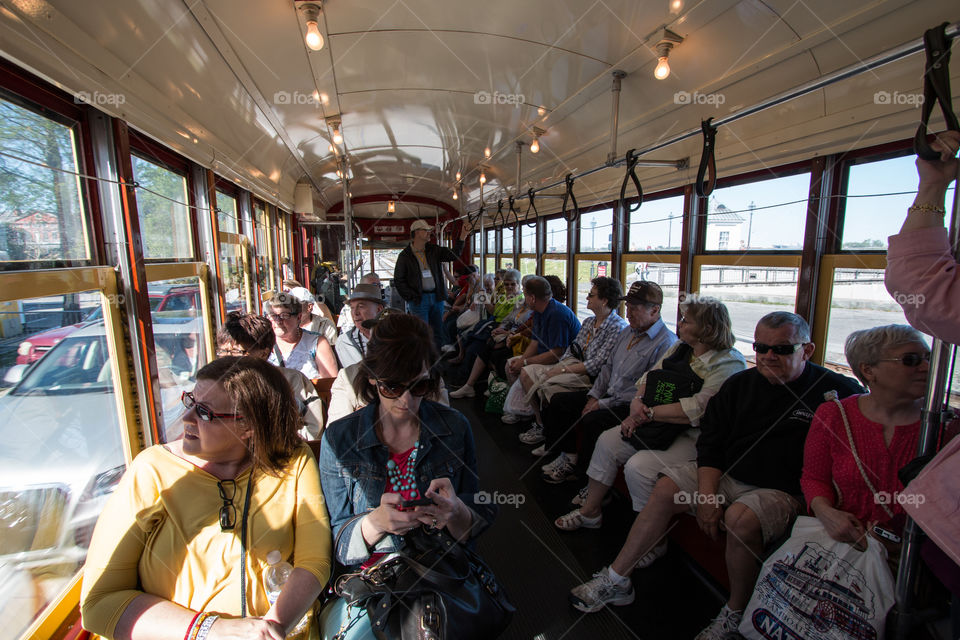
[[228, 219], [763, 214], [556, 236], [587, 270], [164, 215], [232, 271], [596, 231], [42, 221], [385, 263], [506, 243], [664, 274], [528, 238], [528, 265], [657, 225], [63, 451]]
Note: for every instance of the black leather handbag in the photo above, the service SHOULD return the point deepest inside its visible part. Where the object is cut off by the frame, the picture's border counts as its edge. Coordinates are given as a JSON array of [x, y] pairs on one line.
[[434, 589]]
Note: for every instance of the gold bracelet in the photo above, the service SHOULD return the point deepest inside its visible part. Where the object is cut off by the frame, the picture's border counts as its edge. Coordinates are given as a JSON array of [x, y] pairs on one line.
[[926, 208]]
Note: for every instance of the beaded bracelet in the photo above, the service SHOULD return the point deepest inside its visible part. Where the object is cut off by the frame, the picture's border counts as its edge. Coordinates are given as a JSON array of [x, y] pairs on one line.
[[204, 627], [926, 208], [198, 621], [193, 622]]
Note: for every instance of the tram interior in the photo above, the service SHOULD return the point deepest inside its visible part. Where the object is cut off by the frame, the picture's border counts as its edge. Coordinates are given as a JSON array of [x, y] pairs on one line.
[[161, 160]]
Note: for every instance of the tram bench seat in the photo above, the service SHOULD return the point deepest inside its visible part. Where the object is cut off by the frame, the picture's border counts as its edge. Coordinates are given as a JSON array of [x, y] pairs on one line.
[[686, 534]]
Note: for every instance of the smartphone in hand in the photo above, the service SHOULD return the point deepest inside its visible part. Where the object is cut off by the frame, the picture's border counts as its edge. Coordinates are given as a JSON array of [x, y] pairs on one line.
[[407, 505], [886, 534]]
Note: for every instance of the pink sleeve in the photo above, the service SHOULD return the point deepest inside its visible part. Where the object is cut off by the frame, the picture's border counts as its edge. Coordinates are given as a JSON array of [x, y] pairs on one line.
[[816, 480], [922, 277]]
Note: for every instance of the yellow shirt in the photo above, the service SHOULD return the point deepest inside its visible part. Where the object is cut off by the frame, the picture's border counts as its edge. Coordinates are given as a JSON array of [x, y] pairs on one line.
[[160, 534]]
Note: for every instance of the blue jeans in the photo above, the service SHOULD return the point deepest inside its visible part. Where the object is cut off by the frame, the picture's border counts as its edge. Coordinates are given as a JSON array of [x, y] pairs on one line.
[[430, 310]]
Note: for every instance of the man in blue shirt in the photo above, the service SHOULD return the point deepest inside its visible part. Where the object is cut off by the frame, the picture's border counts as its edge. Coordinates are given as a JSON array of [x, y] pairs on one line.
[[554, 327]]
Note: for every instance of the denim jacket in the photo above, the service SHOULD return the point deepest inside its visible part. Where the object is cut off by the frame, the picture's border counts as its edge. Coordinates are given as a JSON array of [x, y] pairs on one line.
[[353, 472]]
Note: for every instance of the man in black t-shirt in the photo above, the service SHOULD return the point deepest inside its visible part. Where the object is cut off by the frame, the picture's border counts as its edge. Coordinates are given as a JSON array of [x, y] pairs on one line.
[[749, 458]]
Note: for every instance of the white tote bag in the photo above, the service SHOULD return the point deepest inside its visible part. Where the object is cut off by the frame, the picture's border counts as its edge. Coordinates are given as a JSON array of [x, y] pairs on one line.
[[816, 588]]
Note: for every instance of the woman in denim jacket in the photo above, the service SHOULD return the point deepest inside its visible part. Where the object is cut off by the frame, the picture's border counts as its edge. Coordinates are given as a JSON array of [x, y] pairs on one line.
[[399, 447]]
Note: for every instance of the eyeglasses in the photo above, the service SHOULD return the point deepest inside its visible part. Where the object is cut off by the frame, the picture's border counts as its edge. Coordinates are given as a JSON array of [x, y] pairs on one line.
[[231, 351], [204, 412], [228, 512], [778, 349], [393, 390], [280, 316], [911, 359]]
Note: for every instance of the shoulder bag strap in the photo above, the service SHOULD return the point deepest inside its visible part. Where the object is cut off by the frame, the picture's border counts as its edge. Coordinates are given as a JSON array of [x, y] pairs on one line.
[[832, 395], [276, 352], [243, 547]]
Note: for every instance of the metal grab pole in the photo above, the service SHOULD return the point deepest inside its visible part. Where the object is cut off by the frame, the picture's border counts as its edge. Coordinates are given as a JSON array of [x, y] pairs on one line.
[[931, 420], [618, 76]]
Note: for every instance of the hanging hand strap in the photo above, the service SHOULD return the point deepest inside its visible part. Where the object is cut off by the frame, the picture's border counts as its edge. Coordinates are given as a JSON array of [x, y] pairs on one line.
[[499, 213], [832, 395], [707, 160], [243, 547], [936, 89], [568, 195], [631, 175], [513, 210], [531, 194]]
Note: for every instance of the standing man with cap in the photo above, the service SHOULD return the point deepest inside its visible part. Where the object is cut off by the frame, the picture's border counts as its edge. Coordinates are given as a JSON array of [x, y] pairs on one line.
[[365, 304], [419, 278]]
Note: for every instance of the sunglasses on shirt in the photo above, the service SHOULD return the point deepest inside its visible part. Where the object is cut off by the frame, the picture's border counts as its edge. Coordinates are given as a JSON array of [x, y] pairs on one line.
[[911, 359], [778, 349], [393, 390]]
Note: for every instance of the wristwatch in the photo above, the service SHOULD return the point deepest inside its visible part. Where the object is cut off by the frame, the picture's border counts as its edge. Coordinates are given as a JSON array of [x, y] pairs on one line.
[[650, 412]]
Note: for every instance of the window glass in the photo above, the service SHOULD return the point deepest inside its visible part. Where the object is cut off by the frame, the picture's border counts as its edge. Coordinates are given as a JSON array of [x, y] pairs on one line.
[[528, 266], [263, 246], [62, 452], [587, 270], [860, 301], [665, 275], [555, 267], [528, 238], [490, 265], [767, 214], [41, 215], [227, 217], [657, 225], [178, 339], [164, 218], [556, 235], [596, 231], [234, 278], [506, 238], [385, 262], [869, 219], [750, 293], [491, 246]]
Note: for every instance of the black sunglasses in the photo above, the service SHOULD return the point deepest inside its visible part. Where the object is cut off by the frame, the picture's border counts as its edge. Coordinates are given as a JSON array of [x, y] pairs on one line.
[[204, 412], [911, 359], [778, 349], [228, 512], [393, 390]]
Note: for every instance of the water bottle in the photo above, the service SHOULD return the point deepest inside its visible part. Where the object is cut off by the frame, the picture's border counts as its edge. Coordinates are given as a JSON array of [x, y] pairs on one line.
[[274, 578]]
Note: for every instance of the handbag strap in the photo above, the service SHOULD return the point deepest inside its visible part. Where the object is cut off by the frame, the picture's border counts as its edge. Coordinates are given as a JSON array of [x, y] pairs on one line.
[[832, 396], [243, 547]]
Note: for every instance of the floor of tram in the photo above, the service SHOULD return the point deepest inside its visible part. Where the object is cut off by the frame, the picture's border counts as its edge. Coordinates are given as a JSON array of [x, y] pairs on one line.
[[538, 564]]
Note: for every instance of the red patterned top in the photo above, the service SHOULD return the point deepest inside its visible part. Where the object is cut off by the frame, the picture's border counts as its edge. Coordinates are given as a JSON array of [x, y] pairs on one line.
[[400, 459], [830, 471]]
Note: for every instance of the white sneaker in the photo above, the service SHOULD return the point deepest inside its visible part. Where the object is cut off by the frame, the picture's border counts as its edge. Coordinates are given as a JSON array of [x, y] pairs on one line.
[[550, 466], [540, 451], [466, 391], [597, 593], [723, 627], [581, 498], [533, 435], [576, 520], [562, 472], [652, 556], [509, 418]]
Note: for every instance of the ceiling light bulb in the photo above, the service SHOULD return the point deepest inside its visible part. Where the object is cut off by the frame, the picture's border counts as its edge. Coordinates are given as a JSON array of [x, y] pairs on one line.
[[458, 176], [486, 152], [391, 206], [454, 194], [483, 177], [324, 98], [338, 139], [541, 111], [535, 146], [663, 68], [313, 38]]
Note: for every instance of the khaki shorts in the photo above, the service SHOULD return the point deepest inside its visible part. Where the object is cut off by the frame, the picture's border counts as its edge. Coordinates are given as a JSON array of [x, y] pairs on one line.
[[775, 509]]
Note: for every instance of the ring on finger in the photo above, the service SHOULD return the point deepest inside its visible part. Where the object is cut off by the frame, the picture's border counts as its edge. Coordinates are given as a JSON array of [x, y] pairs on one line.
[[435, 525]]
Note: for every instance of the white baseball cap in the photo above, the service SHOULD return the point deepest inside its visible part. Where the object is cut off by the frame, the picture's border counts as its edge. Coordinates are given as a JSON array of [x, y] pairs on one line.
[[420, 224]]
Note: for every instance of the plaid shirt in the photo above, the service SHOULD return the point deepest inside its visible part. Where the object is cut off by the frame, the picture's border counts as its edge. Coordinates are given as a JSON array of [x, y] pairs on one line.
[[597, 344]]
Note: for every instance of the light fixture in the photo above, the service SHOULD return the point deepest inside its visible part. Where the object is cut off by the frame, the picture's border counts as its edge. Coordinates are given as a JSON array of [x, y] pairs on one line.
[[311, 13], [454, 194], [337, 138], [334, 124], [391, 206], [535, 145], [541, 111], [486, 152], [667, 41], [483, 178], [676, 6], [324, 98], [458, 176]]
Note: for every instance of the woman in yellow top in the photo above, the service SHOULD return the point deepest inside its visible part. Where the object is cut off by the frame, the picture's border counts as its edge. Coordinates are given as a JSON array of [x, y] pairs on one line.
[[181, 548]]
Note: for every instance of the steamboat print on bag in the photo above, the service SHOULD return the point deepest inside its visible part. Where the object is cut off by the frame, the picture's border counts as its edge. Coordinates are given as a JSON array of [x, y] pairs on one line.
[[803, 600]]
